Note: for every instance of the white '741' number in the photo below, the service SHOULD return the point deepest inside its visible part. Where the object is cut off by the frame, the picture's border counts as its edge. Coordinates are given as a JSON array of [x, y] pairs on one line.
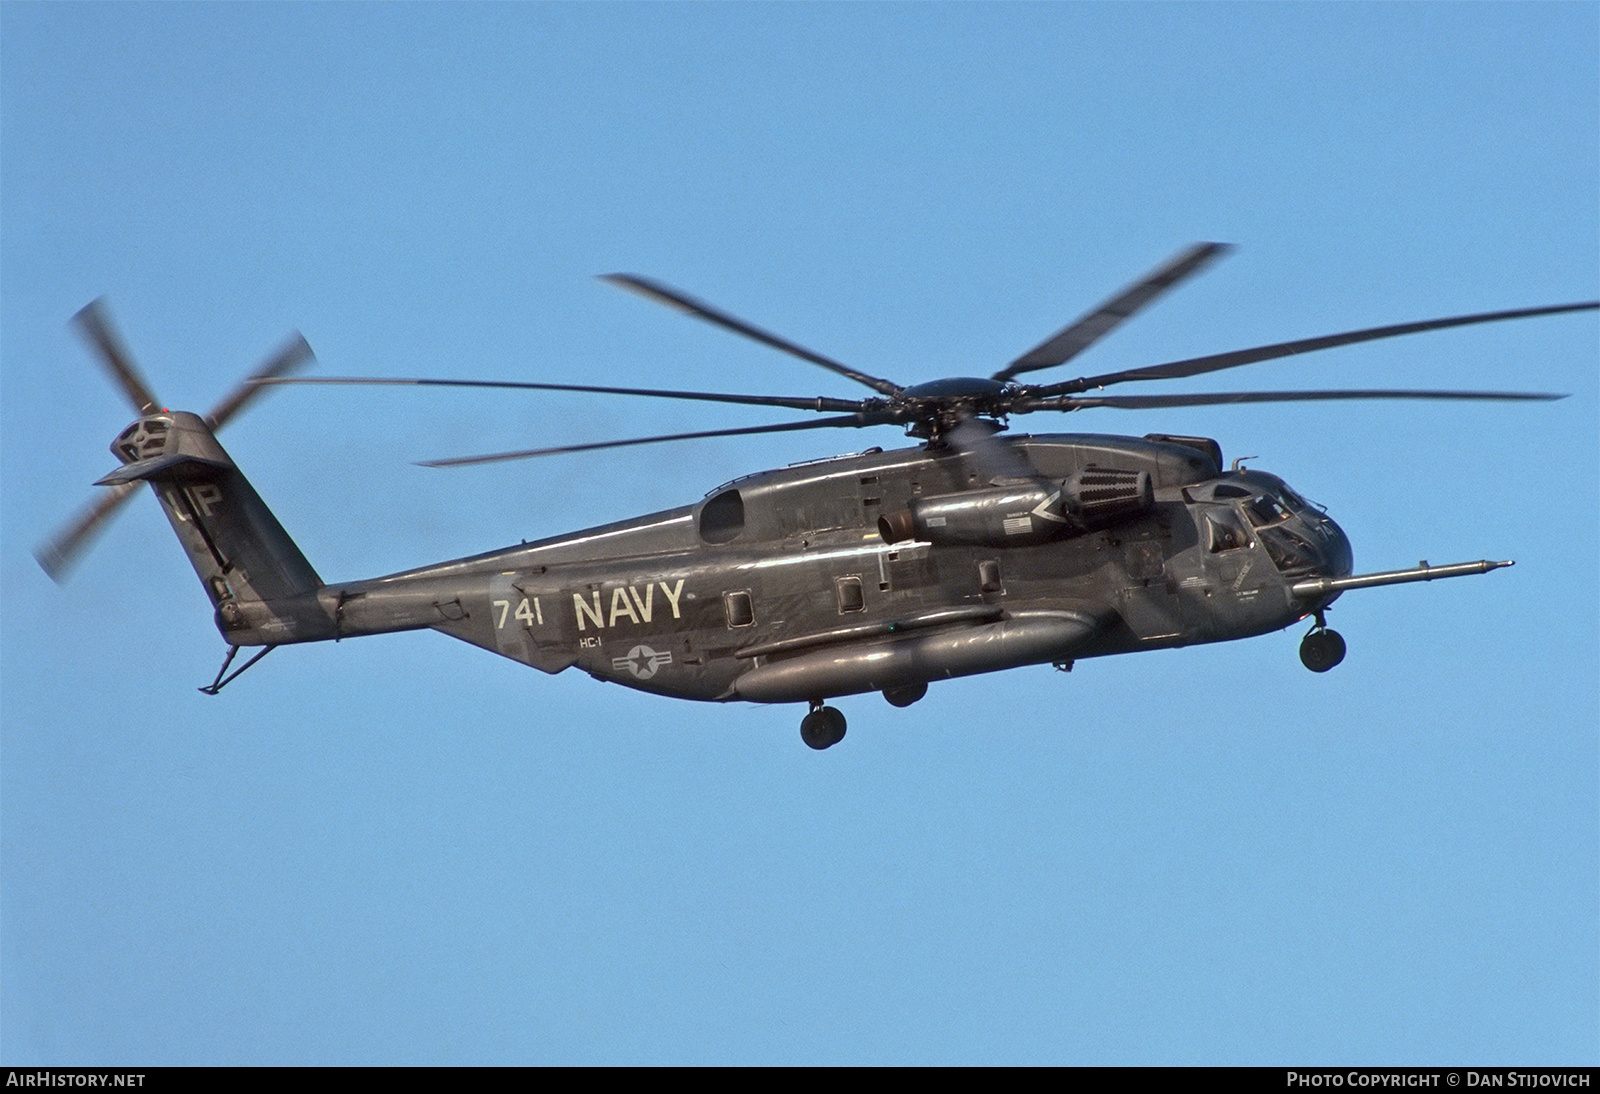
[[528, 612]]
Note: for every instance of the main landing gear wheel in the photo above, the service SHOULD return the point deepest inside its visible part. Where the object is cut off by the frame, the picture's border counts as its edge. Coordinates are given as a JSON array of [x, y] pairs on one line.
[[905, 696], [822, 728], [1321, 649]]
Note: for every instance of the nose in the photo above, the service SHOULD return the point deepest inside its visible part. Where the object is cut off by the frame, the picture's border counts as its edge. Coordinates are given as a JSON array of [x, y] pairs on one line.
[[1338, 558]]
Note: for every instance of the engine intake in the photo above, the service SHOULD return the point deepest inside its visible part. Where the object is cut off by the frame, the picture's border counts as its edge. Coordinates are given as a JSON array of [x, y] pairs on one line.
[[1103, 496]]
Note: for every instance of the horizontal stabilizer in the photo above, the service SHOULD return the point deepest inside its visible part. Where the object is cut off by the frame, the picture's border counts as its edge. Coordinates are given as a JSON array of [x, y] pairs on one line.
[[175, 467]]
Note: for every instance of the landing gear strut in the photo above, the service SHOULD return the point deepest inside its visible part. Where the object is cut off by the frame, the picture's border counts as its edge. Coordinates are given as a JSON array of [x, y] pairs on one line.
[[823, 727], [1321, 649]]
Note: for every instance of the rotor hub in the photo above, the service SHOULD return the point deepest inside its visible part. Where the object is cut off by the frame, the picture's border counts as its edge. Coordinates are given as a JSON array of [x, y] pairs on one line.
[[938, 407]]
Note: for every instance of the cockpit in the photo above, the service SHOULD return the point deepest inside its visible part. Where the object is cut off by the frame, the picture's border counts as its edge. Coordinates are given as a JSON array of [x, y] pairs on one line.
[[1246, 508]]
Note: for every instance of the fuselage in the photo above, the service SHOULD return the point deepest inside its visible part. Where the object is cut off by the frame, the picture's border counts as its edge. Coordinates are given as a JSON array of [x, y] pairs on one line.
[[782, 586]]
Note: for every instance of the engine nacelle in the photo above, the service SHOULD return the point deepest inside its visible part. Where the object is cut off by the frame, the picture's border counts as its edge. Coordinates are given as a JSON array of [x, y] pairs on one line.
[[1024, 514]]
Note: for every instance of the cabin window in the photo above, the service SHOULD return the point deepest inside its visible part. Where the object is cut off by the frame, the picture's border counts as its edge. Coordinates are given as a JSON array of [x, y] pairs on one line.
[[722, 517], [741, 611], [1225, 535], [851, 596], [870, 493], [989, 576]]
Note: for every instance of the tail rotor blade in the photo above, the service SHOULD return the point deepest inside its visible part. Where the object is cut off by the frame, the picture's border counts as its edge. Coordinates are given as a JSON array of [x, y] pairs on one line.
[[294, 354], [97, 328], [58, 555]]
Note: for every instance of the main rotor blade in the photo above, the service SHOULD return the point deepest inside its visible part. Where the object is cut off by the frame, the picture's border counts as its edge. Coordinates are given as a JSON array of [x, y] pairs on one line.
[[1220, 398], [817, 403], [96, 326], [58, 555], [849, 422], [1072, 340], [665, 294], [294, 353], [1194, 366]]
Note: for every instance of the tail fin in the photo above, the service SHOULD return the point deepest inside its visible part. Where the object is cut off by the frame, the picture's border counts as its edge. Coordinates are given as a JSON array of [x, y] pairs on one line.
[[263, 588]]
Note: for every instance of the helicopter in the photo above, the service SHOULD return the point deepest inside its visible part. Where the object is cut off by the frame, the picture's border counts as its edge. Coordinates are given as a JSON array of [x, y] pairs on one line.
[[879, 571]]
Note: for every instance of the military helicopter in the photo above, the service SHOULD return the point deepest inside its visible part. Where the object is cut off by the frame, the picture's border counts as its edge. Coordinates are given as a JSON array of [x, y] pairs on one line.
[[880, 571]]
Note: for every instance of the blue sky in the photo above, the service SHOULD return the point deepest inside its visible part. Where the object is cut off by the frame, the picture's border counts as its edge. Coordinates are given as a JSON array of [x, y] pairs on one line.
[[403, 850]]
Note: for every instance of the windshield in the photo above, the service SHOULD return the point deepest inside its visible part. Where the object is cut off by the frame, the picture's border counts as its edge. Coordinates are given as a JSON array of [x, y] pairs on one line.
[[1266, 510]]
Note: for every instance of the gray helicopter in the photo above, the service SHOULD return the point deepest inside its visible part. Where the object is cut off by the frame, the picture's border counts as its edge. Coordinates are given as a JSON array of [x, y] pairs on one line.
[[880, 571]]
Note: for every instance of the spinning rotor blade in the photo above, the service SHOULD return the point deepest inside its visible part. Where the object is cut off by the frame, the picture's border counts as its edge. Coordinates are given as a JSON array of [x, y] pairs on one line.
[[665, 294], [1195, 366], [979, 442], [295, 353], [58, 555], [850, 422], [1070, 341], [96, 326], [1220, 398], [818, 403]]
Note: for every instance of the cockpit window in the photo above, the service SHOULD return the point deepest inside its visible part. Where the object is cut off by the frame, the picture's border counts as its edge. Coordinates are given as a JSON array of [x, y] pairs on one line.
[[1289, 553], [1265, 510]]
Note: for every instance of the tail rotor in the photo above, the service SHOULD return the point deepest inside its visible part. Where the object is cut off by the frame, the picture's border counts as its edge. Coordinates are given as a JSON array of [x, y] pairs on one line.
[[60, 552]]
